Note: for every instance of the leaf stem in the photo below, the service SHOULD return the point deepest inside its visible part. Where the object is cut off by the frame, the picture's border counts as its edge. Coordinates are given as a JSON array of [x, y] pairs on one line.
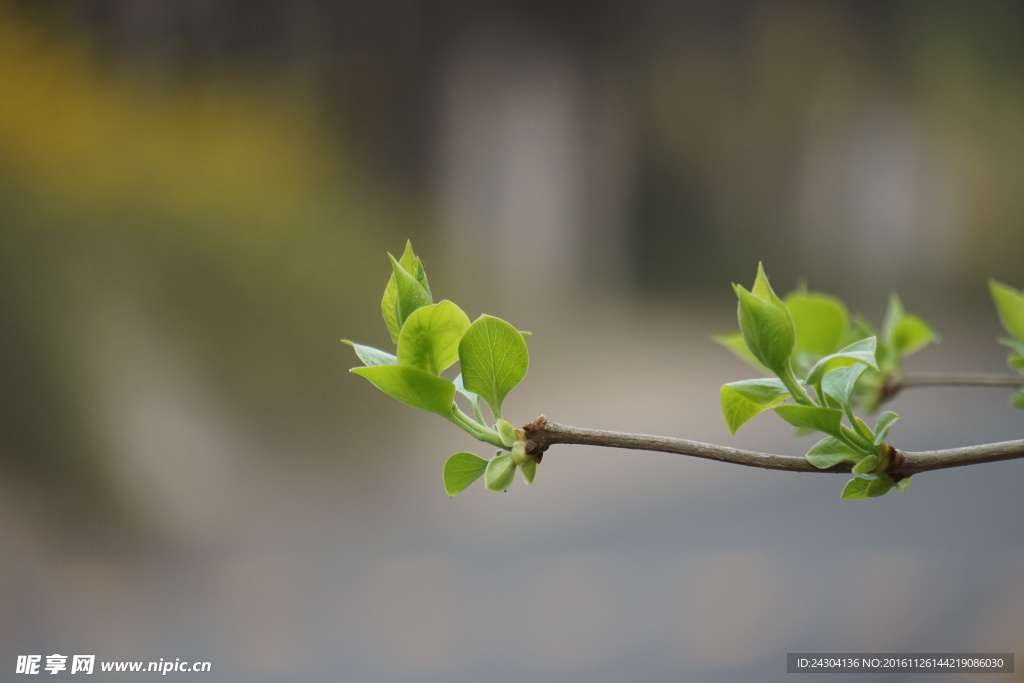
[[543, 433], [796, 390], [475, 429]]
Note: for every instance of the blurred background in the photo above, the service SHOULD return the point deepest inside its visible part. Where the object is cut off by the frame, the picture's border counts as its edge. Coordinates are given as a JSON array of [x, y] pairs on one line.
[[196, 201]]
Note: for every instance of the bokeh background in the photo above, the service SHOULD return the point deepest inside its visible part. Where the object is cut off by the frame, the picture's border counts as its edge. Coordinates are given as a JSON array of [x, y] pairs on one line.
[[196, 199]]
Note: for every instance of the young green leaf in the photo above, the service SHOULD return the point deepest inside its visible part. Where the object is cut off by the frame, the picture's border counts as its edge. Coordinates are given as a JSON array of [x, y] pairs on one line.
[[765, 323], [885, 422], [880, 486], [1017, 400], [430, 338], [412, 386], [389, 304], [828, 420], [494, 359], [903, 484], [866, 465], [1010, 306], [507, 431], [822, 322], [860, 488], [370, 355], [461, 470], [841, 382], [403, 295], [741, 401], [862, 351], [500, 472], [856, 489], [829, 452], [902, 333], [529, 470]]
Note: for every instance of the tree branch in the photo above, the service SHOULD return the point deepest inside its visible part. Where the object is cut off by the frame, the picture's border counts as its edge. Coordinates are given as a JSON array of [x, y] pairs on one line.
[[896, 383], [543, 433]]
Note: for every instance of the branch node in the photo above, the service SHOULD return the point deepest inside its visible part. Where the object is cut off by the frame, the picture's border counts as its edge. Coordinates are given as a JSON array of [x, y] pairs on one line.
[[534, 447]]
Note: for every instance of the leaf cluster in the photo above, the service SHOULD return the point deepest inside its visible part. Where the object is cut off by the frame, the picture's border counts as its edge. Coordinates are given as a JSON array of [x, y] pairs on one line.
[[1010, 307], [431, 338], [842, 361]]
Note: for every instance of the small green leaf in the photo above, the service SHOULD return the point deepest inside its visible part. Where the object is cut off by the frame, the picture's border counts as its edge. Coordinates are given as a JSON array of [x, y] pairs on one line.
[[885, 422], [903, 484], [860, 488], [1010, 306], [828, 420], [862, 351], [866, 465], [765, 323], [461, 470], [529, 470], [880, 486], [507, 431], [500, 472], [494, 359], [1017, 400], [1016, 362], [841, 382], [430, 338], [389, 304], [821, 322], [412, 386], [741, 401], [370, 355], [829, 452], [911, 334], [856, 489]]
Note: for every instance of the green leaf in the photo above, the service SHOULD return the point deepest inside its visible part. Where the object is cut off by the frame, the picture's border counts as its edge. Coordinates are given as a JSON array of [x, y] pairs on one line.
[[885, 422], [829, 452], [903, 484], [828, 420], [461, 470], [911, 334], [880, 486], [821, 322], [412, 386], [1010, 306], [500, 472], [741, 401], [529, 470], [1017, 400], [862, 351], [406, 291], [494, 359], [765, 323], [856, 489], [370, 355], [430, 338], [507, 431], [389, 304], [859, 488], [866, 465], [841, 382], [902, 333], [734, 342]]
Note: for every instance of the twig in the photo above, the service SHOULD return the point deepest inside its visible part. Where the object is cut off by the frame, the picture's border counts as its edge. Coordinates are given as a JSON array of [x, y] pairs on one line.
[[896, 383], [543, 433]]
